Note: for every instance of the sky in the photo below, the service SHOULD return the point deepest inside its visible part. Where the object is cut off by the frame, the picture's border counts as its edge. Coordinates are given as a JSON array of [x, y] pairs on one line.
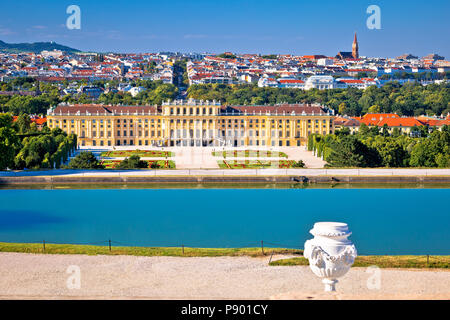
[[240, 26]]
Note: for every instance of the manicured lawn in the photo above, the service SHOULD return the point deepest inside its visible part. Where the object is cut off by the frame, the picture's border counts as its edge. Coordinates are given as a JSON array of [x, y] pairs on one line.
[[164, 164], [441, 262], [137, 251], [381, 261], [249, 153], [255, 164], [140, 153]]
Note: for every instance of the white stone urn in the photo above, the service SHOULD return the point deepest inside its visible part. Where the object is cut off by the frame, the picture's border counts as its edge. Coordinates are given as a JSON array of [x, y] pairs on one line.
[[330, 253]]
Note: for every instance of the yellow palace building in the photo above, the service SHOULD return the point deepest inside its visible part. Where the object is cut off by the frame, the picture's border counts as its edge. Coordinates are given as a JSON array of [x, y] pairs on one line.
[[192, 123]]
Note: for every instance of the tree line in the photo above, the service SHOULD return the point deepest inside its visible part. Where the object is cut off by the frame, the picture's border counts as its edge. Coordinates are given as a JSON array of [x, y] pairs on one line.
[[22, 146], [375, 147], [51, 95], [410, 99]]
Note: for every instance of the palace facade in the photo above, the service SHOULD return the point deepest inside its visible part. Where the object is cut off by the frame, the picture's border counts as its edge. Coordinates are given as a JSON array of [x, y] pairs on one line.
[[192, 123]]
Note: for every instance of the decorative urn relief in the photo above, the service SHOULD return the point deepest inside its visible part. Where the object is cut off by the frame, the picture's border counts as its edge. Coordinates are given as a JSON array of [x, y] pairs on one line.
[[330, 253]]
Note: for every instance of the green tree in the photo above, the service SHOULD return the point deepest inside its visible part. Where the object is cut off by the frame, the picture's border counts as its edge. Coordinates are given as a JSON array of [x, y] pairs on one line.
[[342, 108], [23, 123], [133, 162], [298, 164], [390, 151], [432, 151], [374, 109], [350, 152], [85, 160], [9, 143]]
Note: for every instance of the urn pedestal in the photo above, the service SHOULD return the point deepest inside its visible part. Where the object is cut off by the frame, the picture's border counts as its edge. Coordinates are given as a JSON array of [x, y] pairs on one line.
[[330, 253]]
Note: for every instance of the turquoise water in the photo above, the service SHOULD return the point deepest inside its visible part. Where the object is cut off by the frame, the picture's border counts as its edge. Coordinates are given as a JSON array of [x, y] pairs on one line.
[[383, 221]]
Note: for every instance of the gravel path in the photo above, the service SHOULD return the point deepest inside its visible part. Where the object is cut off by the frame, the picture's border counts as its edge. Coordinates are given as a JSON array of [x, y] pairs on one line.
[[33, 276]]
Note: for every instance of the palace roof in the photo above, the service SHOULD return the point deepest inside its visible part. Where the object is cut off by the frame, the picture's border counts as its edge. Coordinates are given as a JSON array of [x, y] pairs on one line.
[[91, 108], [278, 109]]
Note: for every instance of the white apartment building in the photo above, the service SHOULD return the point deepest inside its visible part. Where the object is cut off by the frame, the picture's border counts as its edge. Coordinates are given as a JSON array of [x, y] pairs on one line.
[[321, 83]]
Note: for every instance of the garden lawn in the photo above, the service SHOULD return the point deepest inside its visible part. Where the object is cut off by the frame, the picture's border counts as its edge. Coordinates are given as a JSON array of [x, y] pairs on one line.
[[137, 251], [249, 153], [381, 262], [140, 153], [164, 164], [255, 164]]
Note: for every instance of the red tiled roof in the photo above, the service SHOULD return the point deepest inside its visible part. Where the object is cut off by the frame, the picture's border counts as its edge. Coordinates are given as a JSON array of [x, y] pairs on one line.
[[341, 121], [351, 81], [35, 119], [400, 122], [291, 81], [372, 119], [435, 122]]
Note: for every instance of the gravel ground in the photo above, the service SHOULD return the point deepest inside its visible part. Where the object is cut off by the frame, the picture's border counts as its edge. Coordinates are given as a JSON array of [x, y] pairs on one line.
[[33, 276]]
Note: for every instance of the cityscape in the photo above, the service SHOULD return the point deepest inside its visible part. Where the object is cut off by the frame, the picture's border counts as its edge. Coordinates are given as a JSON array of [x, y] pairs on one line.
[[172, 153]]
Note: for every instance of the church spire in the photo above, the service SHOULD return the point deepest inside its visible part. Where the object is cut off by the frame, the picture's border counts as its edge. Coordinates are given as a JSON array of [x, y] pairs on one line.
[[355, 50]]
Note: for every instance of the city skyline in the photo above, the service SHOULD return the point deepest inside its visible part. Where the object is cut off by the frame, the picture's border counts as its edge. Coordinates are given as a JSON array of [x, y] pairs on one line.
[[248, 27]]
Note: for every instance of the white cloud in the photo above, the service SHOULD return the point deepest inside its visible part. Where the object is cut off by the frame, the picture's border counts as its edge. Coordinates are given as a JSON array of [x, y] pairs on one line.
[[6, 32]]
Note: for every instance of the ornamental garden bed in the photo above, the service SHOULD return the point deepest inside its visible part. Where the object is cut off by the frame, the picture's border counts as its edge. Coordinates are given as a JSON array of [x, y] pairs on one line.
[[256, 164], [249, 153], [140, 153], [164, 164]]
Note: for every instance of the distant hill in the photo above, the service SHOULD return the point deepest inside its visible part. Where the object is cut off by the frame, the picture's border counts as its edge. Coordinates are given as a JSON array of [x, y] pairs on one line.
[[35, 47]]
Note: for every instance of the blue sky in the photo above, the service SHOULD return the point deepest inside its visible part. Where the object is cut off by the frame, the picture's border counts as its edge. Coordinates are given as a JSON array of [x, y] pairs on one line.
[[243, 26]]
